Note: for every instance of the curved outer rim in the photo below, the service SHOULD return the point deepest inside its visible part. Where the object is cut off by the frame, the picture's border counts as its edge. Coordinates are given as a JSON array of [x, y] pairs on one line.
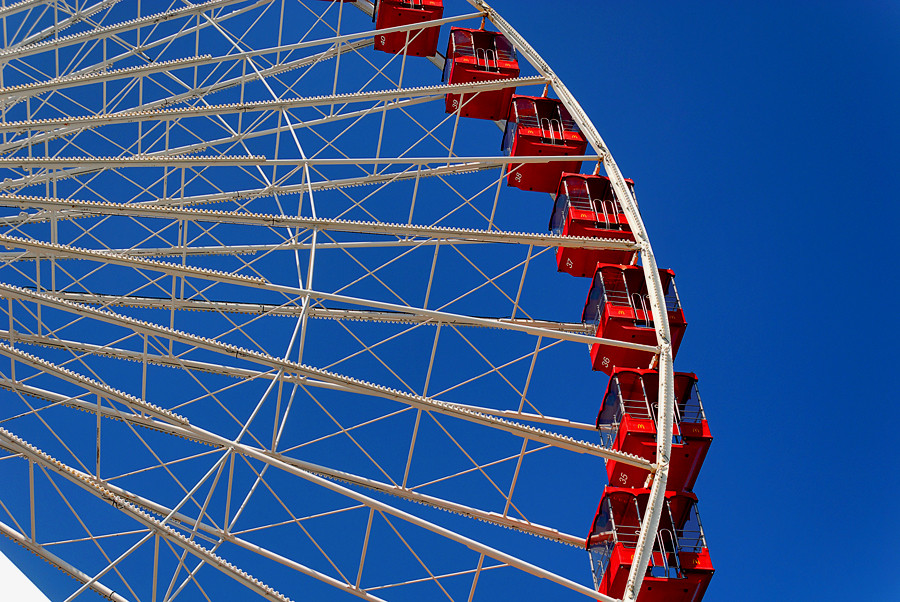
[[654, 287], [657, 302]]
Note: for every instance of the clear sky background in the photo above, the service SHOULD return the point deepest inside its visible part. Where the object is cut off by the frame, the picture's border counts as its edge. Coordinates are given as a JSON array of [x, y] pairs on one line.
[[761, 136]]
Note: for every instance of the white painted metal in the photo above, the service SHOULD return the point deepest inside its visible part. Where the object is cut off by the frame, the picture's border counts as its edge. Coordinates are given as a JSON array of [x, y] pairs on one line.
[[16, 444], [435, 92], [29, 48], [295, 295], [656, 297], [177, 136], [271, 220], [419, 401], [208, 439]]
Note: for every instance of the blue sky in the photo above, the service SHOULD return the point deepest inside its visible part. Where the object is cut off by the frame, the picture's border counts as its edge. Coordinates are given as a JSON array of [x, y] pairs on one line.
[[760, 136]]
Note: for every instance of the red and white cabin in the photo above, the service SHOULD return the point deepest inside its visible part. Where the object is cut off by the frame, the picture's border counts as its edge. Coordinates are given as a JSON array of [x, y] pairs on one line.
[[619, 307], [541, 126], [587, 206], [476, 55], [679, 569], [395, 13], [628, 419]]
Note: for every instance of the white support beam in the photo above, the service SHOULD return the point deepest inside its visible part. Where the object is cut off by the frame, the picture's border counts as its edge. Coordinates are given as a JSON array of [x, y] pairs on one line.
[[200, 436], [17, 7], [368, 35], [294, 294], [349, 42], [286, 104], [74, 16], [243, 373], [132, 161], [46, 555], [90, 384], [44, 248], [295, 311], [189, 94], [247, 194], [15, 444], [262, 161], [86, 77], [108, 31], [233, 249], [137, 356], [16, 93], [352, 384], [335, 225]]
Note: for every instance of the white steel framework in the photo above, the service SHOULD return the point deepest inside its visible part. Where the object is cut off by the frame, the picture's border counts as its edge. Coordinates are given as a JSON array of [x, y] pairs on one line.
[[271, 318]]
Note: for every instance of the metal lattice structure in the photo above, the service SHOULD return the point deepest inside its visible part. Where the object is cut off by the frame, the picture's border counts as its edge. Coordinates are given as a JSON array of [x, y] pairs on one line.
[[273, 318]]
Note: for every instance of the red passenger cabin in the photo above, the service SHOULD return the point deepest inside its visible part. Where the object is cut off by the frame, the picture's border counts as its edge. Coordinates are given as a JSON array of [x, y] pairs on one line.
[[395, 13], [679, 569], [476, 55], [619, 307], [540, 126], [587, 206], [628, 418]]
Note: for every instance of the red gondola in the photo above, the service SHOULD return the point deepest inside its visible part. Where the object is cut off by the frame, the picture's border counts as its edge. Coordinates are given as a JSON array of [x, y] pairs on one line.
[[587, 206], [679, 569], [394, 13], [628, 418], [540, 126], [476, 55], [618, 306]]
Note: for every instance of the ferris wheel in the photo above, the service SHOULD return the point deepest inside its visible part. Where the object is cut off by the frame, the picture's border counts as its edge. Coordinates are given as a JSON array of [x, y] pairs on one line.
[[282, 313]]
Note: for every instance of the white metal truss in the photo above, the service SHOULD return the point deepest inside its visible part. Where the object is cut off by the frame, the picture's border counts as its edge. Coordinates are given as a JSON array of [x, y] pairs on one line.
[[656, 298], [81, 208], [263, 300]]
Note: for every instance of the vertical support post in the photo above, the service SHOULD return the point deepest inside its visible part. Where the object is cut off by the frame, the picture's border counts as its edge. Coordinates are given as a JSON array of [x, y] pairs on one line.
[[362, 558], [480, 564], [155, 567], [522, 281], [98, 439], [412, 447], [144, 370], [337, 58], [226, 525], [515, 478], [31, 500], [415, 193]]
